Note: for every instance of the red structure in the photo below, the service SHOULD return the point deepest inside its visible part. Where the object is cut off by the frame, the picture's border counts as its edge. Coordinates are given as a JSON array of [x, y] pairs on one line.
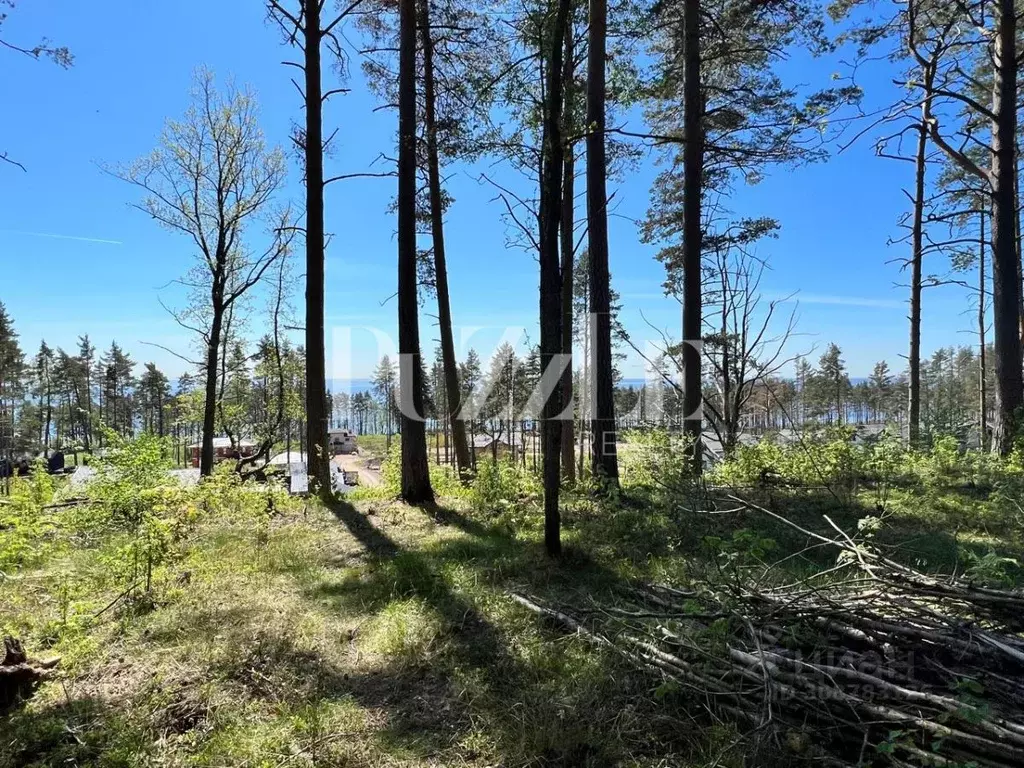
[[222, 449]]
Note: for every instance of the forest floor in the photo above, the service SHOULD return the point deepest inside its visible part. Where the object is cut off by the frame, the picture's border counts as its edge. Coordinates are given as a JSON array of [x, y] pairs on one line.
[[384, 635], [373, 637]]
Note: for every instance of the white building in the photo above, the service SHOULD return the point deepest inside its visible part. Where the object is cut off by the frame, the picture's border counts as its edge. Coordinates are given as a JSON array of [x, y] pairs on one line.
[[341, 441]]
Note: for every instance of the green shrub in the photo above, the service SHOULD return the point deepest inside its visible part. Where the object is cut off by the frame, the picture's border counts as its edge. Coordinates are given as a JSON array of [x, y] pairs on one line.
[[825, 457], [129, 468], [504, 488], [25, 529], [655, 458]]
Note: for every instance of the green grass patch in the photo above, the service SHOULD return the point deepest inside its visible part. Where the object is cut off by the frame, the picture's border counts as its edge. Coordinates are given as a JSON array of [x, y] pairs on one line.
[[287, 634]]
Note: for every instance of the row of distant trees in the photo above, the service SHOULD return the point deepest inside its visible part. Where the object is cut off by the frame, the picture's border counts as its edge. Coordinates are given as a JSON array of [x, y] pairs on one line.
[[54, 399], [501, 396]]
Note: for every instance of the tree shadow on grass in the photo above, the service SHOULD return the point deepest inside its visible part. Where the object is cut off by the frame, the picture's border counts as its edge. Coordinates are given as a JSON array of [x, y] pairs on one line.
[[404, 573], [75, 731], [446, 515], [537, 704]]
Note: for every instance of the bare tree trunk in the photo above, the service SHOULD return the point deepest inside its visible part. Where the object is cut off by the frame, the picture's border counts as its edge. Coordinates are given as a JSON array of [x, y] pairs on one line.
[[87, 416], [551, 278], [568, 227], [982, 384], [693, 173], [210, 403], [730, 415], [916, 258], [316, 367], [1005, 284], [585, 399], [1016, 236], [605, 461], [448, 443], [444, 311], [49, 418], [415, 470]]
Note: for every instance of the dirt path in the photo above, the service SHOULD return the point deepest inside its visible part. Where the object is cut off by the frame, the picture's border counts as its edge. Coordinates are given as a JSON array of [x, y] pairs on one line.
[[352, 462]]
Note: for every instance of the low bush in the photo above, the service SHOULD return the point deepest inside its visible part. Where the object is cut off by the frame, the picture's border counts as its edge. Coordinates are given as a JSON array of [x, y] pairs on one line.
[[506, 491]]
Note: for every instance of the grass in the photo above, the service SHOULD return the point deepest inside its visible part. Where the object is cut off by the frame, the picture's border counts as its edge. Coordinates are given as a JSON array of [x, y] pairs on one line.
[[383, 635], [376, 636], [375, 445]]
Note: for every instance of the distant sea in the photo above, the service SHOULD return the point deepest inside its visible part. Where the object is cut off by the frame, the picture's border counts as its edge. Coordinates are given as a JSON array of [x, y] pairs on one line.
[[356, 386], [352, 386]]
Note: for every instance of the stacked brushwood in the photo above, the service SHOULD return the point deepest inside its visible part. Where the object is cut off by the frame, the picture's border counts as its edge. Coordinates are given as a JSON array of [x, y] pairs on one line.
[[869, 662]]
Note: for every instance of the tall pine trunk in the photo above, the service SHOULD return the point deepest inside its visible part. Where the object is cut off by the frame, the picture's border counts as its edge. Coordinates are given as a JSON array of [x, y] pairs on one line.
[[550, 275], [316, 367], [568, 226], [693, 173], [444, 310], [87, 415], [730, 415], [210, 402], [605, 461], [916, 259], [1005, 285], [49, 418], [415, 470], [1016, 239], [586, 402], [982, 384]]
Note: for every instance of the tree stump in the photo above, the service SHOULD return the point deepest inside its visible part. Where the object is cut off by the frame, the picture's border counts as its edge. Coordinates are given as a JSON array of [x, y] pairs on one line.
[[18, 676]]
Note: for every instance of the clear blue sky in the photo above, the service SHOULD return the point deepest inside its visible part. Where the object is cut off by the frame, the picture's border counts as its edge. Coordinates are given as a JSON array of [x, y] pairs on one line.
[[76, 258]]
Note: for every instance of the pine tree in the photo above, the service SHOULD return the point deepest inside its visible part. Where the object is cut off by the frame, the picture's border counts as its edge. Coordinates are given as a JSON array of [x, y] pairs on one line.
[[385, 383], [154, 393], [43, 375], [11, 371], [832, 372], [717, 59]]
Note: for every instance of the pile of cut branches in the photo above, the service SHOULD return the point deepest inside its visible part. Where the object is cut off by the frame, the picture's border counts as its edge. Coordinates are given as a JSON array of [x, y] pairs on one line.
[[870, 662]]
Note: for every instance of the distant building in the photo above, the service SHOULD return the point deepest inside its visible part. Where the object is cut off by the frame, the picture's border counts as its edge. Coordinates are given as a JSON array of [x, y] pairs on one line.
[[342, 441], [222, 449], [485, 446], [288, 459]]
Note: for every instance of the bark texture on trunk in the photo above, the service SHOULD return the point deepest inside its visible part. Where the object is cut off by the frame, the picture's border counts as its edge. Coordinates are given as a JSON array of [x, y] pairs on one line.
[[982, 384], [316, 367], [1016, 239], [729, 414], [693, 172], [1005, 285], [210, 401], [585, 396], [550, 275], [916, 258], [603, 455], [416, 487], [567, 227], [444, 311]]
